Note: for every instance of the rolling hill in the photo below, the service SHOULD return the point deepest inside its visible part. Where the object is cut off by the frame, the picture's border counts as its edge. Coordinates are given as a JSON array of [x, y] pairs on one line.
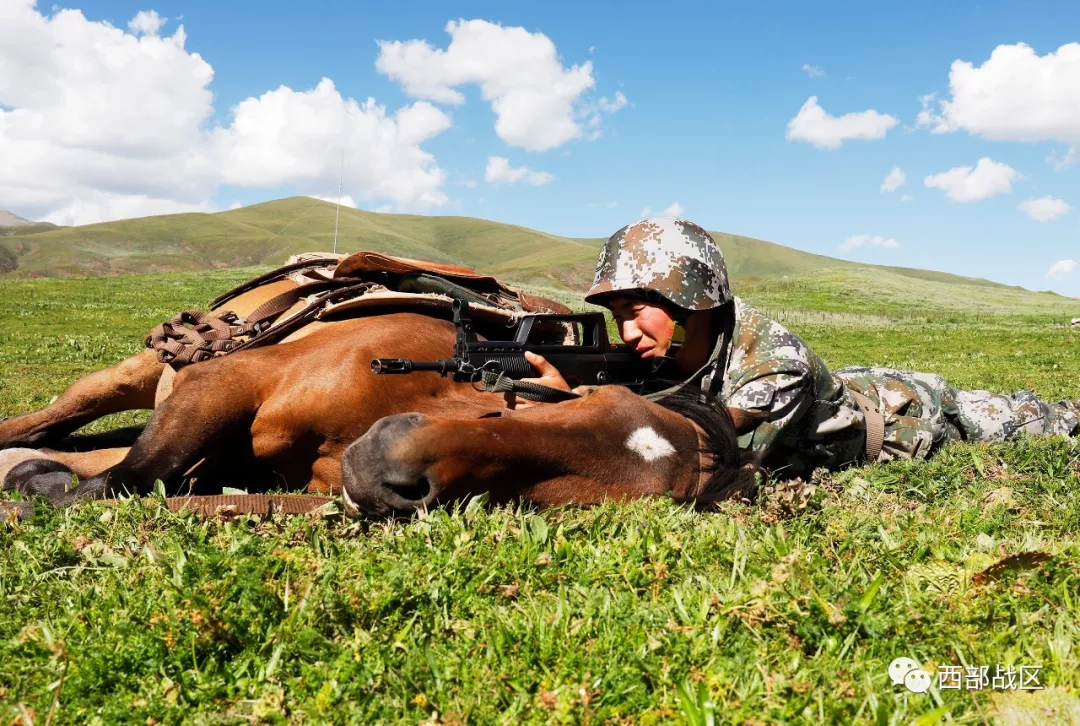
[[267, 233]]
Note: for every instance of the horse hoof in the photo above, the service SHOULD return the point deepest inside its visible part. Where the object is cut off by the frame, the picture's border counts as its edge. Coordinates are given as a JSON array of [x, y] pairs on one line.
[[39, 477], [10, 458]]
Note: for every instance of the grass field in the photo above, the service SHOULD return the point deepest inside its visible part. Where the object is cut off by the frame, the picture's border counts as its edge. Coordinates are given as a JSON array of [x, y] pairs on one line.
[[786, 610]]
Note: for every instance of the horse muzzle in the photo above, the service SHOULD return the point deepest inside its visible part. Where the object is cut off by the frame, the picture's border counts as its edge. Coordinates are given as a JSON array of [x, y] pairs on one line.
[[377, 482]]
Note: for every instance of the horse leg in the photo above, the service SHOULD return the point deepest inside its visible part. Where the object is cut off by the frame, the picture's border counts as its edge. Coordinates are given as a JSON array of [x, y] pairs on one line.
[[127, 385], [18, 466], [212, 402]]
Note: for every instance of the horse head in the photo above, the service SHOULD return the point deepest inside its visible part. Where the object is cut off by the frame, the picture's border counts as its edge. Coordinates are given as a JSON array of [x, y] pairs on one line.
[[609, 444]]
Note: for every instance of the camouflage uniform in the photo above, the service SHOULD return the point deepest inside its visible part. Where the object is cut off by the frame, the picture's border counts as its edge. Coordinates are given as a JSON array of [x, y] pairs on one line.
[[814, 420]]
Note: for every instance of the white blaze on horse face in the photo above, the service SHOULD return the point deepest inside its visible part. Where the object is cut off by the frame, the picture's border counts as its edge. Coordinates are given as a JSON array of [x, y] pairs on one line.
[[649, 444]]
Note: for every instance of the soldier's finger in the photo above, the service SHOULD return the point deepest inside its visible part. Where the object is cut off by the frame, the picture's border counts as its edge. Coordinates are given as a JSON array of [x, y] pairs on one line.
[[540, 363]]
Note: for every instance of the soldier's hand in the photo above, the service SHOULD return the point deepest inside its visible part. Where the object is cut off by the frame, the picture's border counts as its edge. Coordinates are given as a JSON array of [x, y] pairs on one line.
[[549, 376]]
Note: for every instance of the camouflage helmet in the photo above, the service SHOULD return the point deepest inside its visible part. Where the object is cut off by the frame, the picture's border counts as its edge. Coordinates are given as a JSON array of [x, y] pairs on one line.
[[672, 258]]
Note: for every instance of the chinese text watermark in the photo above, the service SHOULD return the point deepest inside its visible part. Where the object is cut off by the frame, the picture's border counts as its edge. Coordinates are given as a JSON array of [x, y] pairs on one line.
[[907, 672]]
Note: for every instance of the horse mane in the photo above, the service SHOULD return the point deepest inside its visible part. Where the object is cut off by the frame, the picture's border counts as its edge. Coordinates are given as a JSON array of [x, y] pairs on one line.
[[731, 472]]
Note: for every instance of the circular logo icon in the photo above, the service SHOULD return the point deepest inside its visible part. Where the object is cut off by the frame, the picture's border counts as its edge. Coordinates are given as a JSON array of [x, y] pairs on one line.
[[899, 668], [917, 681]]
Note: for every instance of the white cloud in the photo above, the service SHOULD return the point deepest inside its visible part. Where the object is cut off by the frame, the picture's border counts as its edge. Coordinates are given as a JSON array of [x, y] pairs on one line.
[[608, 205], [813, 71], [146, 23], [674, 210], [966, 184], [537, 102], [290, 137], [236, 205], [592, 115], [346, 200], [906, 197], [1045, 209], [592, 48], [1015, 95], [864, 240], [646, 212], [467, 183], [98, 123], [1070, 157], [813, 125], [894, 180], [1060, 270], [499, 171]]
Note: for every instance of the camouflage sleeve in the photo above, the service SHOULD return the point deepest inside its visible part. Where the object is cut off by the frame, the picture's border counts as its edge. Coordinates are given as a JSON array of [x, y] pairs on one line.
[[786, 395]]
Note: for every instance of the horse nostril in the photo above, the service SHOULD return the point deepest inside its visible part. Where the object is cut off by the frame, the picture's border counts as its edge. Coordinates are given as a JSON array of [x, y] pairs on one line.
[[414, 492]]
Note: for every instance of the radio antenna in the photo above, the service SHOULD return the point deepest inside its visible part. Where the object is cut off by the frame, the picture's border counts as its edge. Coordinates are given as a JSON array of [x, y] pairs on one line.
[[337, 211]]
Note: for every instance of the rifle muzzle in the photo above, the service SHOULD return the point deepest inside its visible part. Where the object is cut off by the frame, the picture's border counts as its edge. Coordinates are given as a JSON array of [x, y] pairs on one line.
[[381, 366]]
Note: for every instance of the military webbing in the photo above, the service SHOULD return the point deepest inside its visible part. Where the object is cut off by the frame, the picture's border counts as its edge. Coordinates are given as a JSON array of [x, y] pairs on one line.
[[875, 425], [501, 383]]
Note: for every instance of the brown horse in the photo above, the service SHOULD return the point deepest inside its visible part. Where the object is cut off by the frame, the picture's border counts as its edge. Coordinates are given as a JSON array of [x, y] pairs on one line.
[[282, 416], [609, 445]]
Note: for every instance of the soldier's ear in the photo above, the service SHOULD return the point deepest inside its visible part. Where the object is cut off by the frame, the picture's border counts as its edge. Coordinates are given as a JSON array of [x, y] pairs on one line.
[[745, 420]]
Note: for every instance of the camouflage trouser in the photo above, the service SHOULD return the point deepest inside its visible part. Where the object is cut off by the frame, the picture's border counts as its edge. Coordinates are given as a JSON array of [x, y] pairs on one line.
[[921, 411]]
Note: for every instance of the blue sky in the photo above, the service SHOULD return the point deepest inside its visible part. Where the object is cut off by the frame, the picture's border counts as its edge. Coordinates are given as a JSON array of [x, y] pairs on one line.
[[710, 91]]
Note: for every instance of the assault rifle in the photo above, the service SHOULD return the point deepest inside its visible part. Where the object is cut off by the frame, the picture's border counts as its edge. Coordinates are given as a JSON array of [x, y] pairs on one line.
[[593, 362]]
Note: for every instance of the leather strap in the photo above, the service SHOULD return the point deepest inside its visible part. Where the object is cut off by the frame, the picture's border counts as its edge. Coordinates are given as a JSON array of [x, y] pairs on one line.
[[262, 504], [875, 425]]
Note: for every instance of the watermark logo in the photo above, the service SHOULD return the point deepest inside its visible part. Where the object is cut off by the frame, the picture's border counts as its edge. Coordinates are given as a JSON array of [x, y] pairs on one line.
[[907, 672]]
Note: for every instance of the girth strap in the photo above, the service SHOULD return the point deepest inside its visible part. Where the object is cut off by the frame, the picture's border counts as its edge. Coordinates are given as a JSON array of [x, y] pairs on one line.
[[875, 425]]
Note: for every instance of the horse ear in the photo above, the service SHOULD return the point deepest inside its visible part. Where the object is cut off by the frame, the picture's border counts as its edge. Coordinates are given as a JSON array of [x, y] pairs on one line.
[[746, 420]]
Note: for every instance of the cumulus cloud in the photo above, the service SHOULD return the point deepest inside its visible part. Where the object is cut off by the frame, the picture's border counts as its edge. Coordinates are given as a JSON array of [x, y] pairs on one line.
[[99, 123], [815, 126], [290, 137], [813, 71], [1060, 270], [1015, 95], [1045, 209], [146, 23], [866, 240], [499, 171], [894, 180], [972, 184], [539, 104]]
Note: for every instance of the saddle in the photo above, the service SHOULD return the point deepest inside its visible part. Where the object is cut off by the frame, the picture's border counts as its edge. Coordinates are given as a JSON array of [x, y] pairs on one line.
[[331, 286]]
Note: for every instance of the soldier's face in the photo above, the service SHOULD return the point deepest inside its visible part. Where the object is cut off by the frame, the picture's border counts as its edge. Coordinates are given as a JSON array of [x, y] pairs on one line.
[[645, 326]]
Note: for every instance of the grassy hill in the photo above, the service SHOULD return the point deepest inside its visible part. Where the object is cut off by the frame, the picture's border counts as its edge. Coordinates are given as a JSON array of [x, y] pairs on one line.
[[900, 293], [265, 234]]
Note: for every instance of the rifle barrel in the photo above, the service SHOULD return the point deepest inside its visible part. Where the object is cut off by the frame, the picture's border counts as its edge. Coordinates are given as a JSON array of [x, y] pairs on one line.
[[404, 365]]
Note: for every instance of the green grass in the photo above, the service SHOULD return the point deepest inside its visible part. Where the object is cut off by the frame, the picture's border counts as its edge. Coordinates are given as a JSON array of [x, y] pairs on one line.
[[787, 610]]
